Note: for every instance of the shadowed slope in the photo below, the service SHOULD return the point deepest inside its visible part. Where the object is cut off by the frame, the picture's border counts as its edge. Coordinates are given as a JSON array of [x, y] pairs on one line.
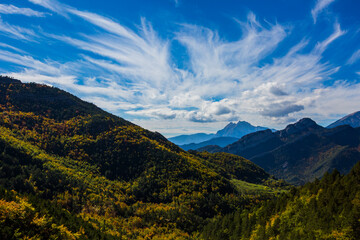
[[301, 152]]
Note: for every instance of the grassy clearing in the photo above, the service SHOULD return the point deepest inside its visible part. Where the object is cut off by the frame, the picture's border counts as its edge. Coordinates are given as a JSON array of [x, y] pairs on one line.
[[254, 189]]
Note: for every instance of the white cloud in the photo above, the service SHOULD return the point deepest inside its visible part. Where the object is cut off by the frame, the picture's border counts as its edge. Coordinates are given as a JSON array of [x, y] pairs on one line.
[[210, 112], [132, 73], [33, 76], [52, 5], [50, 68], [319, 7], [213, 59], [321, 47], [109, 105], [174, 127], [4, 45], [333, 101], [66, 76], [141, 59], [231, 71], [11, 9], [16, 32], [354, 58]]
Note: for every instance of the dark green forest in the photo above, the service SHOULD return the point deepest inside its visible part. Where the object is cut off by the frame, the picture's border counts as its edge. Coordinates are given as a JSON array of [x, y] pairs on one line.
[[324, 209]]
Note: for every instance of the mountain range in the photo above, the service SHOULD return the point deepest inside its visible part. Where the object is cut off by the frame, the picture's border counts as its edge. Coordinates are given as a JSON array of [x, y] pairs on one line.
[[217, 141], [71, 170], [238, 129], [223, 137], [192, 138], [233, 131], [301, 152]]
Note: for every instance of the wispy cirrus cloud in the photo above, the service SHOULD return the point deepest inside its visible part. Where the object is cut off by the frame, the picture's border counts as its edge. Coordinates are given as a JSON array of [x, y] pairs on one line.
[[213, 58], [64, 75], [220, 68], [49, 72], [16, 32], [130, 70], [134, 56], [15, 49], [319, 7], [141, 59], [50, 67], [322, 46], [231, 71], [52, 5], [225, 70], [11, 9], [354, 58]]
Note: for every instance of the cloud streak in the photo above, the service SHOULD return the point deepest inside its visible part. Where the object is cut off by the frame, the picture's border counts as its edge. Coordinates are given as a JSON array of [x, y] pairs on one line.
[[16, 32], [130, 70], [11, 9], [52, 5], [322, 46], [354, 58], [319, 7], [213, 58]]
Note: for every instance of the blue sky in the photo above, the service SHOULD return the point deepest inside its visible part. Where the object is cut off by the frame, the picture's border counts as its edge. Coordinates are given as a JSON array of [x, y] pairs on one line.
[[186, 66]]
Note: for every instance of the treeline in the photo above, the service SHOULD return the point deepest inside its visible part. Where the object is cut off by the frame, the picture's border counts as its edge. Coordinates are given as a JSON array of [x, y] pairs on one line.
[[324, 209]]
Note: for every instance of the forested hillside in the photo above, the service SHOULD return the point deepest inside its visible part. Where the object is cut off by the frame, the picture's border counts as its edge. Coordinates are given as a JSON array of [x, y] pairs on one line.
[[325, 209], [71, 170]]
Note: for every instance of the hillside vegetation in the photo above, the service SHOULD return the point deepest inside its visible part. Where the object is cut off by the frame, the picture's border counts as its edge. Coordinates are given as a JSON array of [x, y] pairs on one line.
[[71, 170], [325, 209]]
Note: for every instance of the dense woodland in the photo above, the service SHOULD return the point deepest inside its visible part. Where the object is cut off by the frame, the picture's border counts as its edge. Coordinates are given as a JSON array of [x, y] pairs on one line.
[[324, 209], [69, 170]]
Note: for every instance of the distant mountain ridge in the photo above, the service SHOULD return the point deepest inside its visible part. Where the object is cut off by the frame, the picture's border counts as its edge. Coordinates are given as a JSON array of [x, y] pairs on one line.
[[192, 138], [218, 141], [238, 130], [301, 152], [233, 130], [352, 119]]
